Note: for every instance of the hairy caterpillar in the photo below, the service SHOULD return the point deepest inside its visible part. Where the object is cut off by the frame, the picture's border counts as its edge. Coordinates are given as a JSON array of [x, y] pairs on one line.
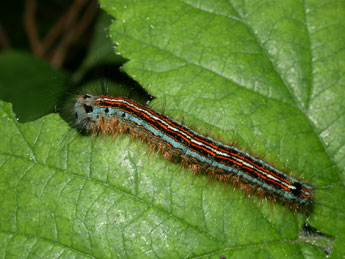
[[109, 115]]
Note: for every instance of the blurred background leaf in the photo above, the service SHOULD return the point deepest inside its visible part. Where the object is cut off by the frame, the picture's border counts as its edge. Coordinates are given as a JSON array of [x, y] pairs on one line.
[[31, 84]]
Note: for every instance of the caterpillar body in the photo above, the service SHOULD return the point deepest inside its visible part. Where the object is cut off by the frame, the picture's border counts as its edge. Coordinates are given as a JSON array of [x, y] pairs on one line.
[[202, 154]]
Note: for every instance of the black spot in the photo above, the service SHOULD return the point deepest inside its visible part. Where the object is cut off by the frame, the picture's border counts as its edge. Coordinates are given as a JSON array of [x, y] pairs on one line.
[[106, 110], [297, 192], [76, 115], [123, 115], [88, 108], [87, 96]]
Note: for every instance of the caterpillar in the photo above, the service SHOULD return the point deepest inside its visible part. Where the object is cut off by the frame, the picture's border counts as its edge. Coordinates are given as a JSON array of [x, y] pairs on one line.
[[202, 154]]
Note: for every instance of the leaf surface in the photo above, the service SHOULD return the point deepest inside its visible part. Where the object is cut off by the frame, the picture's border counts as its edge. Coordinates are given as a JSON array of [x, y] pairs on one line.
[[267, 75]]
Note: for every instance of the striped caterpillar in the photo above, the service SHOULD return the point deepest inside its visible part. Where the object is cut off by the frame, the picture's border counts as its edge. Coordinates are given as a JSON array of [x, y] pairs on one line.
[[202, 154]]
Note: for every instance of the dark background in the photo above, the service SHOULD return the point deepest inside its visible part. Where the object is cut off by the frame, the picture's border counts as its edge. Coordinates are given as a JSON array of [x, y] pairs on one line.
[[52, 50]]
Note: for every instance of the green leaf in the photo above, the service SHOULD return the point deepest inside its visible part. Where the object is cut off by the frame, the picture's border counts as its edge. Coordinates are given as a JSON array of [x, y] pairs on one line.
[[266, 75], [30, 83]]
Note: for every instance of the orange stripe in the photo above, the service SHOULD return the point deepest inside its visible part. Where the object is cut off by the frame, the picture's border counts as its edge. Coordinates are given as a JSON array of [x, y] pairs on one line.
[[188, 141]]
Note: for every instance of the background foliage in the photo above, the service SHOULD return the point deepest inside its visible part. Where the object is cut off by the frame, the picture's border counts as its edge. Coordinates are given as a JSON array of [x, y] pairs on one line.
[[268, 75]]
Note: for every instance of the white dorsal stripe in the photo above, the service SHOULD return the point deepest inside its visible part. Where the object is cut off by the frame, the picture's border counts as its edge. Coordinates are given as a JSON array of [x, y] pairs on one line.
[[192, 140]]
